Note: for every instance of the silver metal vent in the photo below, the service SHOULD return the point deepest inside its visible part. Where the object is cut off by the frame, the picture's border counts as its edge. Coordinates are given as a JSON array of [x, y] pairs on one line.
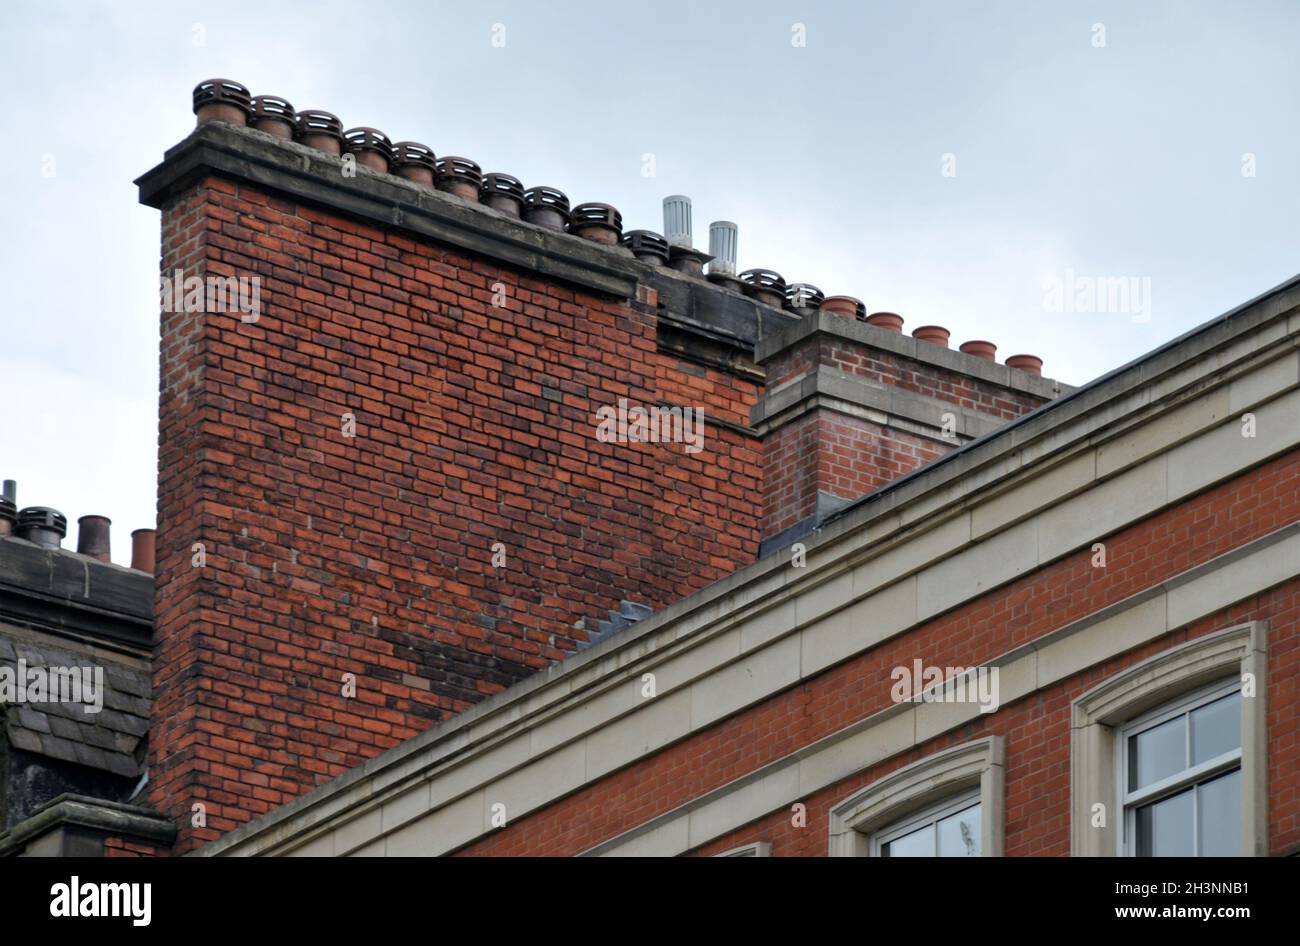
[[677, 220], [723, 235]]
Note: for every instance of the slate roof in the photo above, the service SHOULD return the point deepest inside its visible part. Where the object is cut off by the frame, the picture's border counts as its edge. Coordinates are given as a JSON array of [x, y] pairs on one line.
[[111, 740]]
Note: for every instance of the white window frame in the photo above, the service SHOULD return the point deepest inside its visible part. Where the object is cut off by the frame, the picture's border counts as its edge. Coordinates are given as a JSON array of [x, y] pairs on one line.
[[973, 770], [1128, 802], [932, 816], [757, 849], [1100, 715]]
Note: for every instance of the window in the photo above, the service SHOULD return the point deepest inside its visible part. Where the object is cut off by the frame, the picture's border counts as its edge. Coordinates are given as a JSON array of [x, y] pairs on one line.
[[1168, 757], [1181, 777], [951, 829], [757, 849], [948, 804]]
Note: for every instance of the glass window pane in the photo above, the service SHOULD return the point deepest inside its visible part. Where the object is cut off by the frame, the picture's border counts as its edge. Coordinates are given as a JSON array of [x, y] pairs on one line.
[[1219, 815], [920, 843], [959, 834], [1164, 829], [1216, 728], [1157, 753]]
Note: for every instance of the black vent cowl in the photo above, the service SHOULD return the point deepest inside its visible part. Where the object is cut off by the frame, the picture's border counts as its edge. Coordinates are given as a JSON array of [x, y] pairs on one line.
[[600, 223], [647, 246], [222, 100], [273, 115], [764, 285], [415, 162], [320, 130], [546, 207], [802, 295], [42, 526], [460, 177], [371, 147], [504, 193]]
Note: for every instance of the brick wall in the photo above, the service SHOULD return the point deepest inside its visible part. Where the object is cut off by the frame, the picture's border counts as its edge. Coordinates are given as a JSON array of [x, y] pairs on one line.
[[123, 847], [826, 452], [1036, 729], [830, 454], [327, 555]]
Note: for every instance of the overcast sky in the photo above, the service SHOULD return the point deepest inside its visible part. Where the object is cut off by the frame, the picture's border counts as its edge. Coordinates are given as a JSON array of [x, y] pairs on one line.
[[942, 160]]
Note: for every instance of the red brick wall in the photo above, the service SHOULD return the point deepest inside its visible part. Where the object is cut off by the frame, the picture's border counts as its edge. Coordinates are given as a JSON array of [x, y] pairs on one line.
[[847, 456], [1036, 729], [373, 556], [122, 847], [826, 451], [1037, 743]]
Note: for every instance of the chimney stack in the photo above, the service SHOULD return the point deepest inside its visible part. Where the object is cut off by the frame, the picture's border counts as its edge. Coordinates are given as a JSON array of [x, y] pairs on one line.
[[93, 535]]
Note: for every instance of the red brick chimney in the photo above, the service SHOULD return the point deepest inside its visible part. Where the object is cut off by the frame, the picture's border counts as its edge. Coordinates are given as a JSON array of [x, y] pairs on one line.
[[852, 404], [384, 495]]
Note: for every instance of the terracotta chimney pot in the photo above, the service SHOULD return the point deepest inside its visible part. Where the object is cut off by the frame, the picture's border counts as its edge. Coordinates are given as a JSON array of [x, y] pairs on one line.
[[848, 306], [1030, 364], [980, 349], [889, 321], [143, 550], [934, 334]]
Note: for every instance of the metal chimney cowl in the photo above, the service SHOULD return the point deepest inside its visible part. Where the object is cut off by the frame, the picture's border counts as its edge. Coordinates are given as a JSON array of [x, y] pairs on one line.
[[42, 526], [723, 236]]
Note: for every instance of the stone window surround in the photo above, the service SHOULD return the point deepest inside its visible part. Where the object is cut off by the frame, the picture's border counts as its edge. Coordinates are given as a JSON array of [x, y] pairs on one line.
[[946, 773], [1098, 716]]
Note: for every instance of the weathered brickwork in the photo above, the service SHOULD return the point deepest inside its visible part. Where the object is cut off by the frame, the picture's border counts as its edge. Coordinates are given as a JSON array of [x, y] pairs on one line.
[[832, 453], [1036, 729], [120, 847], [326, 555], [839, 455]]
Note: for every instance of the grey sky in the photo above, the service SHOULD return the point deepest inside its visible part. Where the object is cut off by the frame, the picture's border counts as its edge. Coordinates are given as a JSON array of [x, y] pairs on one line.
[[1122, 160]]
